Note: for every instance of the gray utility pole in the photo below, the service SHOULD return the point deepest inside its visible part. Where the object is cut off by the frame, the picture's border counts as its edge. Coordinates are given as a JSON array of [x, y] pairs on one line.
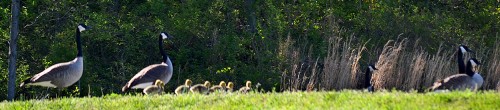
[[14, 32]]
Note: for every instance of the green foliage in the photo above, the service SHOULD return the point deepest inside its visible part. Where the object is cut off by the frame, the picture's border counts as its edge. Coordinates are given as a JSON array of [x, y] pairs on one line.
[[296, 100], [216, 36]]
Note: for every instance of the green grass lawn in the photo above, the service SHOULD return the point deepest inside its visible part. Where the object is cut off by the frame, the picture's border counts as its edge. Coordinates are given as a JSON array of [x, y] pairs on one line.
[[295, 100]]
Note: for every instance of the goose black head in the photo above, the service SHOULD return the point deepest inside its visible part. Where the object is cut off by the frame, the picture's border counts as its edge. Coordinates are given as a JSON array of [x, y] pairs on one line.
[[82, 27], [165, 35], [464, 49], [372, 67], [474, 62]]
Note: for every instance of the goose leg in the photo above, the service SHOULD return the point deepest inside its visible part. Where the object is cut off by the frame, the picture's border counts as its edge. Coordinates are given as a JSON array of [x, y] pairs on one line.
[[47, 94], [58, 92]]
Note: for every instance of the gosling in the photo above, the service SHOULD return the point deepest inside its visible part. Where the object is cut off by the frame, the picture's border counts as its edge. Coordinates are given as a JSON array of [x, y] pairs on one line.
[[229, 87], [201, 88], [218, 88], [183, 88], [247, 88], [157, 88]]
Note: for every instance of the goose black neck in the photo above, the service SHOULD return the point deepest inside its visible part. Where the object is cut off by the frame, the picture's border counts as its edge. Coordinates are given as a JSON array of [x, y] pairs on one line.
[[78, 43], [162, 52], [368, 77], [460, 60], [469, 70]]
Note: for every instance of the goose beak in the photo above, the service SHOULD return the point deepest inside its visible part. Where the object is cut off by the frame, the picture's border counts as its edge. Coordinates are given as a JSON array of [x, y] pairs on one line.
[[471, 51], [170, 36]]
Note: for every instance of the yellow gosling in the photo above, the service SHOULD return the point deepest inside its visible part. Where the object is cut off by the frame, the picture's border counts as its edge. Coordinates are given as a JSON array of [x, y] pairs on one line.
[[183, 88], [230, 86], [201, 88], [247, 88], [154, 89], [220, 87]]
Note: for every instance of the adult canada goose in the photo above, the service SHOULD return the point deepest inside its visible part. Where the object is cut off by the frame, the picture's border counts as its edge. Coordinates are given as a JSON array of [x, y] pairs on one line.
[[154, 89], [220, 87], [201, 88], [183, 88], [148, 75], [471, 80], [247, 88], [230, 86], [61, 75], [368, 77], [462, 49]]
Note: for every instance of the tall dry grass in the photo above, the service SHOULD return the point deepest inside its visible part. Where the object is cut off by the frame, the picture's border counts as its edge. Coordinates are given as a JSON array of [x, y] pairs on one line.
[[341, 65], [491, 67], [338, 70], [300, 70], [402, 64], [408, 68]]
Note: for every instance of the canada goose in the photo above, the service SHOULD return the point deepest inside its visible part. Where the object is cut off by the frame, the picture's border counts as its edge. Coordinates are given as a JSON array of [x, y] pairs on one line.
[[154, 89], [230, 86], [183, 88], [61, 75], [368, 77], [220, 87], [247, 88], [462, 49], [148, 75], [471, 80], [201, 88]]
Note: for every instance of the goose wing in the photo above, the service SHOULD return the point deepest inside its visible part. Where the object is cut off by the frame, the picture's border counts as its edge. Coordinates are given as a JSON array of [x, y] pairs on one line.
[[50, 74], [454, 82], [148, 75]]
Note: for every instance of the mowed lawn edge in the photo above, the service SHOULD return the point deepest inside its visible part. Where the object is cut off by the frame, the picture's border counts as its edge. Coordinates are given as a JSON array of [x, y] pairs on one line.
[[285, 100]]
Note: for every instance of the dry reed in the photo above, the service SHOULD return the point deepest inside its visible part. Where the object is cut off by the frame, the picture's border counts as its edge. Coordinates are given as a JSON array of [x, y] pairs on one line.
[[492, 64]]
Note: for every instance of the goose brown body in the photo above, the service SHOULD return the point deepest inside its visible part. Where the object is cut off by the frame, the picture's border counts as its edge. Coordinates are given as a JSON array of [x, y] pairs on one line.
[[61, 75], [471, 80], [148, 75]]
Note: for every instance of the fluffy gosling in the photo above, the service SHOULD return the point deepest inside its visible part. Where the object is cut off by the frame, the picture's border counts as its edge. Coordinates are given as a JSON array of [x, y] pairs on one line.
[[220, 87], [247, 88], [157, 88], [201, 88], [230, 86], [183, 88]]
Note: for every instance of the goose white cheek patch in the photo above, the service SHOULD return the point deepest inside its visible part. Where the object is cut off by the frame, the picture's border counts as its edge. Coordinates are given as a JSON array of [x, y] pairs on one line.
[[462, 49], [164, 36], [81, 28], [473, 63], [371, 68]]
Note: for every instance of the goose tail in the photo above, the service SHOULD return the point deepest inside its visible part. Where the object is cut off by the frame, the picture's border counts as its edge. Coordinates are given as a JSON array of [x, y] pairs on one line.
[[125, 88], [436, 85], [23, 84]]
